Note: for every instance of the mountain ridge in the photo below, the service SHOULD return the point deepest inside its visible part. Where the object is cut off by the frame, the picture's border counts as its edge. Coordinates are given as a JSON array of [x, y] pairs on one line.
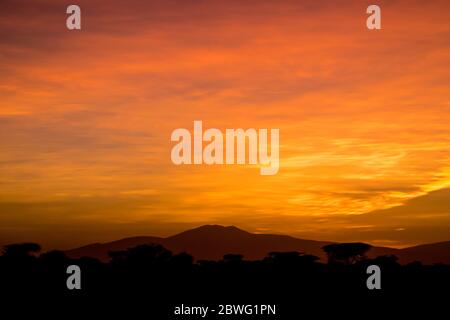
[[211, 242]]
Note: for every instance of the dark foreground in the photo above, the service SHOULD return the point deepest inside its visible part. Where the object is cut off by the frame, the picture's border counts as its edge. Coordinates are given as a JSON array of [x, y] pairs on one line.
[[149, 282]]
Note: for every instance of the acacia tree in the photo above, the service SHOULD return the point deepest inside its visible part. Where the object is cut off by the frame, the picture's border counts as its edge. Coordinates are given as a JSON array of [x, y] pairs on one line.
[[20, 250], [347, 253]]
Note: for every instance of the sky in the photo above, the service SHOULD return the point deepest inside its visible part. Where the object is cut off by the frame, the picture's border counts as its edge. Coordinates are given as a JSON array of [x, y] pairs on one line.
[[86, 118]]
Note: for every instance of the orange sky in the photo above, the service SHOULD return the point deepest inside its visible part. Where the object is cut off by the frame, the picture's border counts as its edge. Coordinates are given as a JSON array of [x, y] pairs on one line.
[[86, 117]]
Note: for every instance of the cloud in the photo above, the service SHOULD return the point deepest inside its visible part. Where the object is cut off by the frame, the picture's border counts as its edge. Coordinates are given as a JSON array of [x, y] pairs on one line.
[[363, 116]]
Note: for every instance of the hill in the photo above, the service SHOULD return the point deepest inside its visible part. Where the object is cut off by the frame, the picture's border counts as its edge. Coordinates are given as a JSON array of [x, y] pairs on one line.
[[211, 242]]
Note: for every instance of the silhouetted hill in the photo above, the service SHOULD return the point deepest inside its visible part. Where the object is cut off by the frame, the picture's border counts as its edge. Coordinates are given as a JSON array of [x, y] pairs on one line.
[[413, 221], [100, 250], [212, 242], [427, 253]]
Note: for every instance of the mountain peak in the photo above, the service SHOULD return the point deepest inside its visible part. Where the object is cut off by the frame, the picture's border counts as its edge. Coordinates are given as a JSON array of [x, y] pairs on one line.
[[212, 230], [218, 227], [212, 242]]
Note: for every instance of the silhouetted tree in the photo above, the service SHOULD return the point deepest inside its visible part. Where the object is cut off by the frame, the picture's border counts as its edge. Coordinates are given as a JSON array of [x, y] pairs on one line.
[[182, 260], [233, 258], [53, 257], [155, 275], [347, 253], [292, 257], [386, 262], [18, 266], [142, 257], [20, 250]]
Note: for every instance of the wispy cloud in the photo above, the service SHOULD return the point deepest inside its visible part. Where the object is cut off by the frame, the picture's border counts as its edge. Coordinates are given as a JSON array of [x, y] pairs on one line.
[[363, 116]]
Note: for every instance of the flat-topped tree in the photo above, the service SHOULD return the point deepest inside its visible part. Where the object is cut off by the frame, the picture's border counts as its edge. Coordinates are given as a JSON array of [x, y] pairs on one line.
[[347, 253]]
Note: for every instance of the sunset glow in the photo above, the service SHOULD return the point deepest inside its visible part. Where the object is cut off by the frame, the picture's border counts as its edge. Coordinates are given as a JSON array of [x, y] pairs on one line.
[[86, 119]]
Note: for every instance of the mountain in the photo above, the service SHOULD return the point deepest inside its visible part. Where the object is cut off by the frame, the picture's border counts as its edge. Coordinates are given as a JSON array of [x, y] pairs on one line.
[[212, 242], [425, 218], [100, 250], [427, 253], [209, 242]]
